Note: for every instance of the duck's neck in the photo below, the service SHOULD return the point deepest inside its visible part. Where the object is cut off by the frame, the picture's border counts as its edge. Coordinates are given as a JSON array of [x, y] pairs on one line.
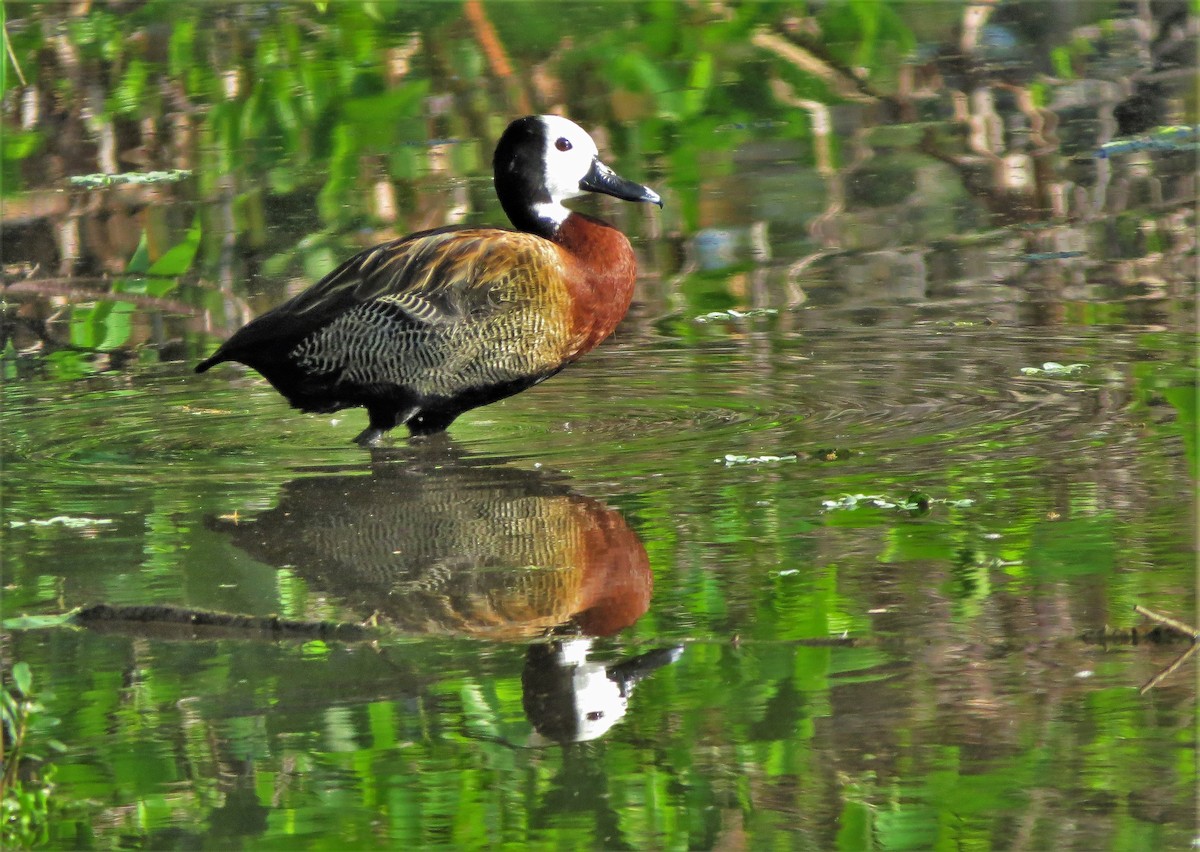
[[543, 217], [601, 296], [600, 248]]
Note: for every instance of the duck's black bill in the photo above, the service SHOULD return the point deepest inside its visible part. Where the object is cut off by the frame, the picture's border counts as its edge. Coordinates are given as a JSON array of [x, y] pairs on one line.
[[600, 178]]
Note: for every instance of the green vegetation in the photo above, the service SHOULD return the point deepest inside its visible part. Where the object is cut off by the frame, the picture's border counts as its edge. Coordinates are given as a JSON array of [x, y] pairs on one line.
[[26, 780]]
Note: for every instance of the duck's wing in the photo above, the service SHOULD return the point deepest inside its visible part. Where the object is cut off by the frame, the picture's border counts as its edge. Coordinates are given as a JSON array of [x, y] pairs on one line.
[[433, 283]]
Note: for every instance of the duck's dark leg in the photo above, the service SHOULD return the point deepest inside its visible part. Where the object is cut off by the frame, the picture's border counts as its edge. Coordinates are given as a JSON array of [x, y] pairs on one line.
[[429, 422], [382, 420]]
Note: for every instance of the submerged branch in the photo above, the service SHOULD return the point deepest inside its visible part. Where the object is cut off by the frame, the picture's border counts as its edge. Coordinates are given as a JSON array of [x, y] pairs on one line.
[[68, 288], [1168, 671], [171, 622], [1178, 626], [844, 82]]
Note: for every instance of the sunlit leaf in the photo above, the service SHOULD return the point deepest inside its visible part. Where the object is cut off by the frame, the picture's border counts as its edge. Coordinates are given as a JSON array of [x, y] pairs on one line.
[[1063, 66], [699, 81], [127, 98], [20, 144], [36, 622], [174, 262], [23, 678], [104, 326]]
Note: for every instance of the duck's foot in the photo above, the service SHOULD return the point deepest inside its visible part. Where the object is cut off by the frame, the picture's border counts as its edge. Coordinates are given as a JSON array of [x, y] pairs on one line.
[[380, 422], [370, 437]]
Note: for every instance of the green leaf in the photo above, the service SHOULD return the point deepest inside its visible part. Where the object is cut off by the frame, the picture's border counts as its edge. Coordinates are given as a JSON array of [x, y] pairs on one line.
[[854, 832], [375, 118], [1183, 399], [175, 261], [1073, 547], [18, 145], [36, 622], [103, 327], [637, 73], [1061, 58], [128, 95], [9, 710], [139, 264], [343, 170], [23, 678], [699, 82], [181, 47]]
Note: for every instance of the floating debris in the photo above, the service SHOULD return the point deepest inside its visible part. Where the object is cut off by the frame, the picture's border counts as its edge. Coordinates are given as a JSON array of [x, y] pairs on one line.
[[1053, 368], [731, 459], [1035, 257], [1164, 139], [914, 502], [101, 180], [62, 520], [951, 323], [717, 316], [831, 454]]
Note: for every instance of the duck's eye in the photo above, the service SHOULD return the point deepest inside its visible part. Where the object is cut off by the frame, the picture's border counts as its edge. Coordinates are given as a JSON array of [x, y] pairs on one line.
[[563, 144]]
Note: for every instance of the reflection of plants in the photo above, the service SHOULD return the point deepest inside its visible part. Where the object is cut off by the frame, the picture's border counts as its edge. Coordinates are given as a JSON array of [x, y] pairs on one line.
[[24, 801], [1166, 395], [108, 324]]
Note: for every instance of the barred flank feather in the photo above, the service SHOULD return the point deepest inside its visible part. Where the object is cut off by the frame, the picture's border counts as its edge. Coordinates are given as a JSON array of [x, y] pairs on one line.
[[442, 341]]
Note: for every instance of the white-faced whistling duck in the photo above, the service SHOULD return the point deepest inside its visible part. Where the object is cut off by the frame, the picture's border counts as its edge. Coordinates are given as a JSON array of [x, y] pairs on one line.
[[422, 328]]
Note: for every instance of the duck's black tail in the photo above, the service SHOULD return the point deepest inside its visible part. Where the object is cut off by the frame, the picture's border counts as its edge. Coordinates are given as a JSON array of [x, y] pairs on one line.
[[211, 361]]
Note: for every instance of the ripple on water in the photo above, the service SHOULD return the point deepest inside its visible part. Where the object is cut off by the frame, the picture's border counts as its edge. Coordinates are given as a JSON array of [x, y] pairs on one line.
[[145, 425], [915, 388]]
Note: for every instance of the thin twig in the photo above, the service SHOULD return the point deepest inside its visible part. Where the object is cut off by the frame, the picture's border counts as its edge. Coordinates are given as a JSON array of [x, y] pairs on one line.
[[1165, 673], [489, 42], [13, 56], [842, 80], [1167, 621], [64, 287]]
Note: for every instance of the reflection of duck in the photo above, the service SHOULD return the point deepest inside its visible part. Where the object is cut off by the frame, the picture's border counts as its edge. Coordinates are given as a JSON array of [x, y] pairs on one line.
[[569, 698], [451, 546], [423, 328]]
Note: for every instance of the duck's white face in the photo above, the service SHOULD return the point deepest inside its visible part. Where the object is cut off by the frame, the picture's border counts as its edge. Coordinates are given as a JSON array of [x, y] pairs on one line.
[[568, 158], [541, 161]]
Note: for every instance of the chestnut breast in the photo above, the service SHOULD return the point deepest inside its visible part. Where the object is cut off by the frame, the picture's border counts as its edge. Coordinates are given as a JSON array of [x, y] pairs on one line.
[[601, 272]]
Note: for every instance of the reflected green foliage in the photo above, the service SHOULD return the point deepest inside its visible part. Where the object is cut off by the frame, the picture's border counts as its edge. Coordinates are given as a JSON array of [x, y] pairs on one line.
[[891, 745], [26, 779], [108, 324], [309, 99]]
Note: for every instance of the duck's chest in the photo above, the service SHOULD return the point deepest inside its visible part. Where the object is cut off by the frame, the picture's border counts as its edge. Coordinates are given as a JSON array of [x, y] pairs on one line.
[[601, 272]]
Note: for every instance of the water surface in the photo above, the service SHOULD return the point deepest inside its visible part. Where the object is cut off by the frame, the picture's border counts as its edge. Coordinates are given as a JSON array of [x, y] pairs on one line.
[[835, 544]]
